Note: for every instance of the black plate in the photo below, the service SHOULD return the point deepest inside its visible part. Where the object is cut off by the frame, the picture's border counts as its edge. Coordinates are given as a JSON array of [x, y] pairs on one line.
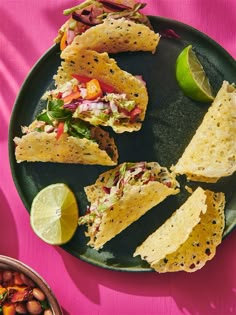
[[170, 123]]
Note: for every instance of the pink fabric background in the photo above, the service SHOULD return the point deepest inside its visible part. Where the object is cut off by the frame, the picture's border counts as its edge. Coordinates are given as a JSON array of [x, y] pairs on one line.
[[27, 30]]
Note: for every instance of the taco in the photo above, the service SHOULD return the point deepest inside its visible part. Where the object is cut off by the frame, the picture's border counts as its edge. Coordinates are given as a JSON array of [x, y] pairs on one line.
[[121, 196], [188, 239], [211, 154], [55, 136], [100, 92], [108, 26]]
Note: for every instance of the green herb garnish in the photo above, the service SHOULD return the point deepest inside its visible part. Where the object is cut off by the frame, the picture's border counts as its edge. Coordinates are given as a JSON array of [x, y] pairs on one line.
[[73, 126]]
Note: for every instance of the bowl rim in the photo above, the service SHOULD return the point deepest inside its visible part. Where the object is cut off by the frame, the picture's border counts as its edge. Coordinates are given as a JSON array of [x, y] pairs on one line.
[[17, 265]]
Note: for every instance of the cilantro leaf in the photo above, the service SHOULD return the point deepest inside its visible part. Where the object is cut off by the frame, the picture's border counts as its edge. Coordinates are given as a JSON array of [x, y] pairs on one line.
[[44, 117], [79, 128], [56, 111], [74, 127]]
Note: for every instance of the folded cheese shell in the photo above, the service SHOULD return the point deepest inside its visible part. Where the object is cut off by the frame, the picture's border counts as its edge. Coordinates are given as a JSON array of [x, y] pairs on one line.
[[88, 63], [211, 154], [134, 203], [116, 35], [188, 239], [44, 147]]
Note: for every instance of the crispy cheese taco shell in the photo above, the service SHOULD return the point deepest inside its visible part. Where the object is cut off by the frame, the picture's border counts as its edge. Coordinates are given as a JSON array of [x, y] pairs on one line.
[[188, 239], [116, 35], [211, 154], [44, 147], [93, 65], [134, 203]]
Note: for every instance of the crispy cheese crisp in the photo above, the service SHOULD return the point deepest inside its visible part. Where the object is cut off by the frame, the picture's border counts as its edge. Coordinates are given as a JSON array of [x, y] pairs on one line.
[[188, 239], [135, 202], [44, 147], [116, 35], [93, 65], [211, 154], [175, 231], [201, 244]]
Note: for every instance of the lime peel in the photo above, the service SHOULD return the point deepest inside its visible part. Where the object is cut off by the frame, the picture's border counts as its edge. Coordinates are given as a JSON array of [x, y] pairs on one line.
[[191, 76]]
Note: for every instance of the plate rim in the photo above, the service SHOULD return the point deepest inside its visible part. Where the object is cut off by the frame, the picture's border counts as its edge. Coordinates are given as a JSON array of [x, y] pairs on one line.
[[11, 156]]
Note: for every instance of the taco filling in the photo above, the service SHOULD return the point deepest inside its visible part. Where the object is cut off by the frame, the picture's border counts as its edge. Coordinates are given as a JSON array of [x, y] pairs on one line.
[[58, 119], [119, 183], [56, 127], [93, 101], [93, 12]]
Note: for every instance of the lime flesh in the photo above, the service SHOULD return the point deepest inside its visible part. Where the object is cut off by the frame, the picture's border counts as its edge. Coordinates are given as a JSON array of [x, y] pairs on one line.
[[54, 214]]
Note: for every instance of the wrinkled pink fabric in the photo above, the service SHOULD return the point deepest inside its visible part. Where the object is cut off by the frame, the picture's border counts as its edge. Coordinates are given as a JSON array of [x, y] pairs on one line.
[[27, 31]]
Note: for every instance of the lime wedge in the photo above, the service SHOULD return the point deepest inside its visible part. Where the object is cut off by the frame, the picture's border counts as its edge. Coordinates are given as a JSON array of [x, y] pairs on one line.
[[191, 76], [54, 214]]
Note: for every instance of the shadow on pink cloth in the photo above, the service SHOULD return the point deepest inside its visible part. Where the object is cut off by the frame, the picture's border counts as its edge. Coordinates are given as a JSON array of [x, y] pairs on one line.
[[216, 19], [17, 57], [208, 291], [200, 14], [8, 245], [55, 16]]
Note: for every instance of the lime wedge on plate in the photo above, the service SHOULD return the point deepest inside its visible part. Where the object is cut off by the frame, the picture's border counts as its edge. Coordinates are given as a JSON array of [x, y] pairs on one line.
[[54, 214], [191, 76]]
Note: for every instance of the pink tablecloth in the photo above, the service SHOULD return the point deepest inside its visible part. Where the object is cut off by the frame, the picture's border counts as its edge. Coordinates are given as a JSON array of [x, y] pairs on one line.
[[27, 30]]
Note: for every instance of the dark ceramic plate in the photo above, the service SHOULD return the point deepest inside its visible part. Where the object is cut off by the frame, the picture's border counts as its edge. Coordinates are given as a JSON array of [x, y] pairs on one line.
[[170, 123]]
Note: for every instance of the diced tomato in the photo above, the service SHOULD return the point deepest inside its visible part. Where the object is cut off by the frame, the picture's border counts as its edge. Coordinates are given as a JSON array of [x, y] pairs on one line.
[[105, 87], [93, 89], [134, 113], [60, 129], [152, 178], [59, 95], [81, 78], [125, 111]]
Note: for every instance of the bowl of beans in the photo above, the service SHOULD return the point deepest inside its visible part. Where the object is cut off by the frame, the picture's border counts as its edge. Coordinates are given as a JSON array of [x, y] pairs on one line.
[[23, 291]]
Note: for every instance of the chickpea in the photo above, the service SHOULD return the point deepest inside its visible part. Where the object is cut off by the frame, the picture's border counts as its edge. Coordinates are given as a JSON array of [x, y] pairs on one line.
[[38, 294], [6, 275], [34, 307], [21, 308], [48, 312]]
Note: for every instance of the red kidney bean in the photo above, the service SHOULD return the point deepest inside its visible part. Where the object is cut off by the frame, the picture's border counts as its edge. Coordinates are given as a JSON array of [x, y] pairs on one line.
[[27, 281], [21, 308], [7, 275], [34, 307], [17, 279], [38, 294]]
